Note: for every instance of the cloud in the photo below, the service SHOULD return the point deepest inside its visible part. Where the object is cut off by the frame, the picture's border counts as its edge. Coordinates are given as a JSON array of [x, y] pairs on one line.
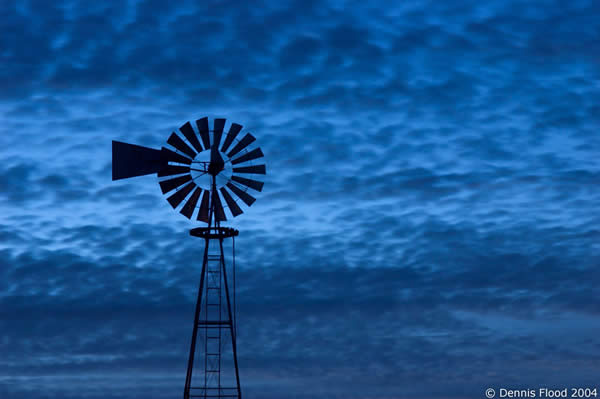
[[429, 212]]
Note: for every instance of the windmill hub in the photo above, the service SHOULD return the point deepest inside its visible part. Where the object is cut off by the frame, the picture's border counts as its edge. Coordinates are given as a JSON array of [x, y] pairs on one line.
[[201, 171], [216, 164], [214, 168]]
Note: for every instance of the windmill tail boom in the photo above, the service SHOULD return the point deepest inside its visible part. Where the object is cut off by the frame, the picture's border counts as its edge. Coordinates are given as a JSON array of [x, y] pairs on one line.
[[130, 160]]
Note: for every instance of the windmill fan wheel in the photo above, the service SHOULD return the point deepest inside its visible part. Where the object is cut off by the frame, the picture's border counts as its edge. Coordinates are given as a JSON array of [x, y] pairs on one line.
[[197, 155]]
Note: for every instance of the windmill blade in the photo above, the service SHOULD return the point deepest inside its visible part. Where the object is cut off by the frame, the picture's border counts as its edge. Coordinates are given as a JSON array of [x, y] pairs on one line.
[[203, 129], [244, 142], [257, 169], [168, 185], [169, 170], [218, 207], [218, 132], [178, 143], [190, 135], [233, 207], [130, 160], [234, 130], [254, 154], [203, 213], [172, 156], [247, 198], [180, 195], [256, 185], [190, 205]]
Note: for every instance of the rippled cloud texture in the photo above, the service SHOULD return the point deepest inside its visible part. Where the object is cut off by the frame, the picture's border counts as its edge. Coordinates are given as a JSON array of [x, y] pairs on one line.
[[429, 225]]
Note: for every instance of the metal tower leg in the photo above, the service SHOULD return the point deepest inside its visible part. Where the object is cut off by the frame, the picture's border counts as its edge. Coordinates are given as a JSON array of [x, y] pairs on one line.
[[188, 377], [231, 329]]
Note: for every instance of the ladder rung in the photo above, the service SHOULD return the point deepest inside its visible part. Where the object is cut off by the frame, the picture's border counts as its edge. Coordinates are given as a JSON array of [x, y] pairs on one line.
[[200, 325], [213, 354], [211, 337], [214, 396]]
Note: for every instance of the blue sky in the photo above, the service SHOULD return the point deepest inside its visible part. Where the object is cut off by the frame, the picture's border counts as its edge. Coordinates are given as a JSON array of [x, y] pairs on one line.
[[428, 226]]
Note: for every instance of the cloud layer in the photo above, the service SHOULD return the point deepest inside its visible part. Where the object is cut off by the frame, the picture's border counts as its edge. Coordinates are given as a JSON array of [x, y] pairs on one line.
[[428, 227]]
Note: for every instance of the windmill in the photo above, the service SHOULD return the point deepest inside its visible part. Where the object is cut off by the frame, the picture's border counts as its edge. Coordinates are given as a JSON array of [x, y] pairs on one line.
[[195, 173]]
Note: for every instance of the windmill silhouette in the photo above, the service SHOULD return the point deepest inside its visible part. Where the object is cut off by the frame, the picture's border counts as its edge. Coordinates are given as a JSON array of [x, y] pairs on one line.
[[201, 169]]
